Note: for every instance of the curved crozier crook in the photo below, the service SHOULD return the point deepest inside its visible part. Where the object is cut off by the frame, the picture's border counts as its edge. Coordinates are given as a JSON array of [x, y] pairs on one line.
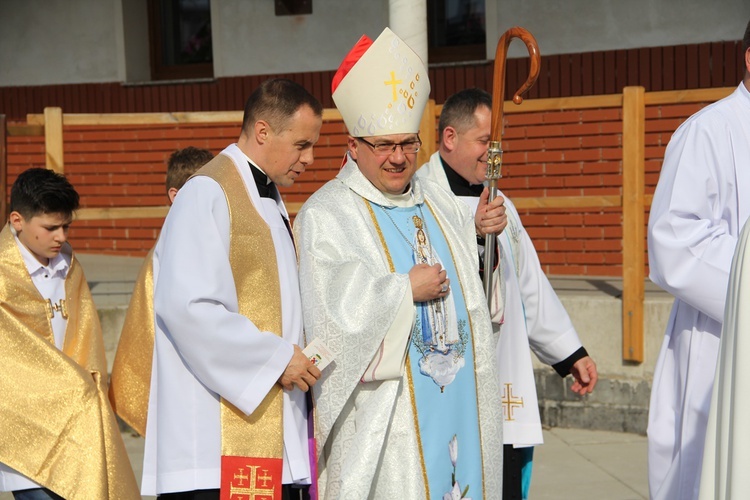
[[498, 84]]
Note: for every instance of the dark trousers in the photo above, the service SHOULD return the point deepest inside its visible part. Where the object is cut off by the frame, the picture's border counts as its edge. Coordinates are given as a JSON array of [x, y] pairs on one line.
[[36, 494], [517, 464], [288, 492]]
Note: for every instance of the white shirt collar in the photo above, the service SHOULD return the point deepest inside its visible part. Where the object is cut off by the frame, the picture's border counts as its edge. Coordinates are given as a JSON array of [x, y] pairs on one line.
[[57, 264]]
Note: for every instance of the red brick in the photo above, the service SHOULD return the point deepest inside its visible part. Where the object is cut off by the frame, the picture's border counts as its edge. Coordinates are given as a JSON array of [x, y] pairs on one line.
[[565, 270], [584, 232], [602, 220], [680, 110], [601, 115], [544, 156], [546, 232], [602, 168], [552, 258], [603, 245], [565, 245], [523, 145], [517, 119], [562, 143], [585, 258], [563, 169], [582, 129], [545, 182], [562, 117], [548, 130]]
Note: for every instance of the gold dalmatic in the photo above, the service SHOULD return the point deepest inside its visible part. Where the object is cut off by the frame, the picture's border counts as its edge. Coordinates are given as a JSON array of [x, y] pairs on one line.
[[251, 446], [130, 383], [58, 427]]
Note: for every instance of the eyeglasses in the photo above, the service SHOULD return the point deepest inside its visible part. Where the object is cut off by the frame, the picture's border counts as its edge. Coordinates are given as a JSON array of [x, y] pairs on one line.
[[388, 148]]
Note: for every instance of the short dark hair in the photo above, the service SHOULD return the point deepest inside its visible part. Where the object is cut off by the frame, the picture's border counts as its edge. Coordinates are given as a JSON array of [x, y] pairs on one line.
[[276, 101], [458, 110], [746, 40], [42, 191], [185, 162]]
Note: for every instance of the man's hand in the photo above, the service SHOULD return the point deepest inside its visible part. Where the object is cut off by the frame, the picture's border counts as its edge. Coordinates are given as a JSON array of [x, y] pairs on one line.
[[585, 375], [490, 217], [428, 282], [300, 372]]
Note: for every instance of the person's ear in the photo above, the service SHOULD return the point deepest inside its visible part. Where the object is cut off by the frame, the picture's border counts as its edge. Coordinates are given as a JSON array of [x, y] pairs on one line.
[[261, 130], [172, 192], [450, 137], [16, 221], [351, 145]]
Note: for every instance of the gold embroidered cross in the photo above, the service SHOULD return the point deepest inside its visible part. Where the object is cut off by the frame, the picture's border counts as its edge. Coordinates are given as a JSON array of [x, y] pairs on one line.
[[509, 403], [252, 491], [393, 83], [59, 307]]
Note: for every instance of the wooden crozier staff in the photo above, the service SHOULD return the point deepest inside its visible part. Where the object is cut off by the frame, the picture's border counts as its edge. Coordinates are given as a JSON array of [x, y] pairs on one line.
[[495, 152]]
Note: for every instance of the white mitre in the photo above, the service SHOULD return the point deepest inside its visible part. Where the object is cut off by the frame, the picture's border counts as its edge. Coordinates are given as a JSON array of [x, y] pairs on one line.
[[381, 87]]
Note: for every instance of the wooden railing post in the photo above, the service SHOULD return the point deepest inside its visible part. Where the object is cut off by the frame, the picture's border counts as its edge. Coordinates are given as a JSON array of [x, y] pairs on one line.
[[53, 139], [633, 238], [427, 133], [3, 167]]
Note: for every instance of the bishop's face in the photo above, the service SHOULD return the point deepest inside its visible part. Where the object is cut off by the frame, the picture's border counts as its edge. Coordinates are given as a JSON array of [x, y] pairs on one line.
[[390, 173]]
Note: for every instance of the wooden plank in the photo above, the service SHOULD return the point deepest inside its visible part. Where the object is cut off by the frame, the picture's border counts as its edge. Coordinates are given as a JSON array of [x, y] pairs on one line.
[[53, 139], [3, 168], [25, 130], [717, 65], [110, 213], [568, 202], [633, 237], [704, 65], [687, 96], [427, 133]]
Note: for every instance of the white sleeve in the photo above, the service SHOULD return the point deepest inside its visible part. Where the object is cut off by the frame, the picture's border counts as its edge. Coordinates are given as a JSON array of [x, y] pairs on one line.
[[551, 334], [195, 302], [689, 245]]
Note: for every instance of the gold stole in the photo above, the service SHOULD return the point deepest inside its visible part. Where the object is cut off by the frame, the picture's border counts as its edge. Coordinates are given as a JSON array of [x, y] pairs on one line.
[[58, 427], [251, 446], [130, 383]]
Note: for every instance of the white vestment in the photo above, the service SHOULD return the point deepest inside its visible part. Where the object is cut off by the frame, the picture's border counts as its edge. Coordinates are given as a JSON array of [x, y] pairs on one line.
[[697, 213], [366, 430], [726, 458], [533, 318], [204, 349]]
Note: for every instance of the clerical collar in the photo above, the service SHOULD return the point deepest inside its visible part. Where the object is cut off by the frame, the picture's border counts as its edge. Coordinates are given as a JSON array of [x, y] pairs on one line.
[[263, 183], [458, 184], [401, 200]]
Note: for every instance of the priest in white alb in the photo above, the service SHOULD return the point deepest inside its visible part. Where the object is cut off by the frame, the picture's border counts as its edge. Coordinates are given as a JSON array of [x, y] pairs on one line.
[[701, 202], [227, 407], [389, 277]]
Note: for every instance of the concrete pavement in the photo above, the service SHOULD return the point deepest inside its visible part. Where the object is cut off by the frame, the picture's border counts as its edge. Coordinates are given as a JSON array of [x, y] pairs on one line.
[[571, 464]]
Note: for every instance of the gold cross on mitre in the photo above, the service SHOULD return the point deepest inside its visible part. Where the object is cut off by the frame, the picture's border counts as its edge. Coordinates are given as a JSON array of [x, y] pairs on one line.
[[252, 491], [393, 83], [510, 402], [58, 307]]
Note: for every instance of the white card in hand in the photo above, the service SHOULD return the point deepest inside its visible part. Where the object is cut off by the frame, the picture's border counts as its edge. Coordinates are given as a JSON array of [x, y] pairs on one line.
[[318, 353]]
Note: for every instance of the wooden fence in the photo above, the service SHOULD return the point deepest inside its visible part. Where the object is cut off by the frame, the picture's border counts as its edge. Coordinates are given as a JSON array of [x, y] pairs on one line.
[[633, 199]]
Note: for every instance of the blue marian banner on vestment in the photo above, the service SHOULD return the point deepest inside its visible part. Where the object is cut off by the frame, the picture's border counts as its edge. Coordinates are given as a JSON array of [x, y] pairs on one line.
[[440, 359]]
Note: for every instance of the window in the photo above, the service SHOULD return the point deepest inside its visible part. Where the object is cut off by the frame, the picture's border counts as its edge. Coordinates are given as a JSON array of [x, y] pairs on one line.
[[180, 39], [456, 30]]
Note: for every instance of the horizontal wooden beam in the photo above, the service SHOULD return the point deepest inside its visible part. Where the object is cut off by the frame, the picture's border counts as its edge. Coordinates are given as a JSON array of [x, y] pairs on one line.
[[687, 96], [568, 202], [157, 118], [25, 130], [110, 213]]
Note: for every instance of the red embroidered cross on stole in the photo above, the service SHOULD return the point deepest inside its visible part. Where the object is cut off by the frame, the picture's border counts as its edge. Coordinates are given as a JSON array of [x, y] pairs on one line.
[[244, 478]]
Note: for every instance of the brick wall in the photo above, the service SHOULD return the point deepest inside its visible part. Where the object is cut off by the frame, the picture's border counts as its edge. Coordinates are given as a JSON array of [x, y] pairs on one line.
[[551, 153]]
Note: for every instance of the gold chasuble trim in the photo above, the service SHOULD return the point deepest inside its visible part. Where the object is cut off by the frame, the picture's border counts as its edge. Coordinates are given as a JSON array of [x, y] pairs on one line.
[[251, 445], [412, 397], [130, 382], [58, 426], [473, 345]]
